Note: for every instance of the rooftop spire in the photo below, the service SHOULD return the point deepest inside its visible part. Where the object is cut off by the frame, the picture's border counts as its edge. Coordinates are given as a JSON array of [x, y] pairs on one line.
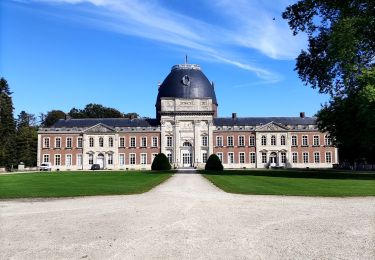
[[186, 60]]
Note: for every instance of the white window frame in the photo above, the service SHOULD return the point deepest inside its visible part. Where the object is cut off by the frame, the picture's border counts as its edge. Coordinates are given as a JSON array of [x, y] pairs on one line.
[[79, 159], [253, 157], [328, 140], [143, 158], [91, 141], [121, 142], [283, 157], [316, 157], [204, 157], [219, 141], [69, 142], [264, 157], [263, 140], [155, 141], [110, 141], [110, 159], [57, 156], [294, 140], [45, 158], [169, 141], [305, 157], [91, 159], [132, 159], [230, 141], [205, 140], [101, 141], [252, 140], [330, 157], [121, 159], [241, 157], [230, 158], [132, 142], [316, 140], [282, 140], [273, 140], [46, 142], [58, 143], [79, 142], [305, 140], [241, 140], [67, 160], [143, 142], [294, 157], [170, 156], [220, 155]]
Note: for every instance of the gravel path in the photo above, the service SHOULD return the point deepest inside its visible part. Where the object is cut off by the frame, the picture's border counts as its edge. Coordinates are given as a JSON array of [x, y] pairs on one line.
[[188, 218]]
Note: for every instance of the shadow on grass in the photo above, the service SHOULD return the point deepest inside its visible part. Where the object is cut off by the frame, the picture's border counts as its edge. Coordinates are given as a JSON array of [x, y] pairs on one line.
[[297, 173]]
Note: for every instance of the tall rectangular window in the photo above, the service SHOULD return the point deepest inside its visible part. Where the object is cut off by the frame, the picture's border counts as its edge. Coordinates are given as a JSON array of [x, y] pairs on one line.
[[264, 157], [242, 157], [204, 157], [241, 140], [316, 157], [143, 141], [264, 140], [169, 141], [305, 157], [122, 142], [45, 158], [283, 157], [327, 140], [110, 141], [132, 141], [230, 157], [57, 159], [273, 140], [91, 141], [57, 142], [252, 141], [316, 141], [328, 157], [121, 159], [79, 142], [79, 159], [305, 141], [295, 157], [252, 157], [68, 142], [110, 159], [154, 141], [153, 156], [204, 140], [219, 141], [230, 141], [294, 140], [220, 155], [91, 159], [101, 142], [68, 159], [282, 140], [143, 158], [46, 142], [170, 157], [132, 158]]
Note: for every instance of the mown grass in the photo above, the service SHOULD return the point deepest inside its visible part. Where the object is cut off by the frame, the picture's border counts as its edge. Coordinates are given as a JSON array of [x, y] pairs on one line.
[[71, 184], [294, 182]]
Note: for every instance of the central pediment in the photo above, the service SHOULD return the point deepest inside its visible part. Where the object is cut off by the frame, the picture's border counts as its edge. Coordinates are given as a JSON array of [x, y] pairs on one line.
[[100, 128], [271, 126]]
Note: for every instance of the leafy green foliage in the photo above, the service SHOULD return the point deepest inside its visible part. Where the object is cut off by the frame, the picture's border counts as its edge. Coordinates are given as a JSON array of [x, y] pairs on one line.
[[7, 127], [339, 61], [213, 163], [52, 117], [98, 111], [160, 163], [27, 139]]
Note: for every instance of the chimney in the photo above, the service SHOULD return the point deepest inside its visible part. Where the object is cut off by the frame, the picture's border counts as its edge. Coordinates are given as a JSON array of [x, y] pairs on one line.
[[131, 116], [234, 116], [302, 114]]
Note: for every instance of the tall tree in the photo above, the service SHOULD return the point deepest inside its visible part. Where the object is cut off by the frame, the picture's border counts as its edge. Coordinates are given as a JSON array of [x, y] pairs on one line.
[[27, 139], [52, 117], [340, 61], [98, 111], [7, 126]]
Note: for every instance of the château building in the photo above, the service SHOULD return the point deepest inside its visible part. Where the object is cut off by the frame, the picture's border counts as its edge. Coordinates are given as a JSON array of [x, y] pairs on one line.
[[187, 129]]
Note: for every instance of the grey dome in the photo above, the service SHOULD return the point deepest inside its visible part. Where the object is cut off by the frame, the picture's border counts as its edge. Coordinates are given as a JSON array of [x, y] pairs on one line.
[[186, 81]]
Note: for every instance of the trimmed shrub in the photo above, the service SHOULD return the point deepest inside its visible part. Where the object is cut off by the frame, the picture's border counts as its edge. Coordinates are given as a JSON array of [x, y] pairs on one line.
[[213, 163], [160, 163]]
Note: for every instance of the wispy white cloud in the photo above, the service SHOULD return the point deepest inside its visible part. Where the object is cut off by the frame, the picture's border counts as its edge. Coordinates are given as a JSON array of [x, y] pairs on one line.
[[251, 26]]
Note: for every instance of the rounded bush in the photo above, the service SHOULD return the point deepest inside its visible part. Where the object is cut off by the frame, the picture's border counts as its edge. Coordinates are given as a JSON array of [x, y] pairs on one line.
[[213, 163], [160, 163]]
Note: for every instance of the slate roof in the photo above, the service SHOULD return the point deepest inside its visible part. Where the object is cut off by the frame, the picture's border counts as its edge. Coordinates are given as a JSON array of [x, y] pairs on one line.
[[252, 121], [199, 86], [111, 122], [150, 122]]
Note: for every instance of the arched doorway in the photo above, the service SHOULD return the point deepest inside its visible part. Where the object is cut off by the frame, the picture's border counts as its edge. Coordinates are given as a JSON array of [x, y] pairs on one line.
[[273, 159], [100, 160], [186, 154]]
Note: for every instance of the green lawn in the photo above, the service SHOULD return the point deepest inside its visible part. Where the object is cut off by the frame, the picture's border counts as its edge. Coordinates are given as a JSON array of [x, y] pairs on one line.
[[70, 184], [296, 183]]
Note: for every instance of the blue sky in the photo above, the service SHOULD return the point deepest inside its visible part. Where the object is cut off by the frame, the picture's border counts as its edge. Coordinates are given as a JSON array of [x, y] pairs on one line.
[[59, 54]]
